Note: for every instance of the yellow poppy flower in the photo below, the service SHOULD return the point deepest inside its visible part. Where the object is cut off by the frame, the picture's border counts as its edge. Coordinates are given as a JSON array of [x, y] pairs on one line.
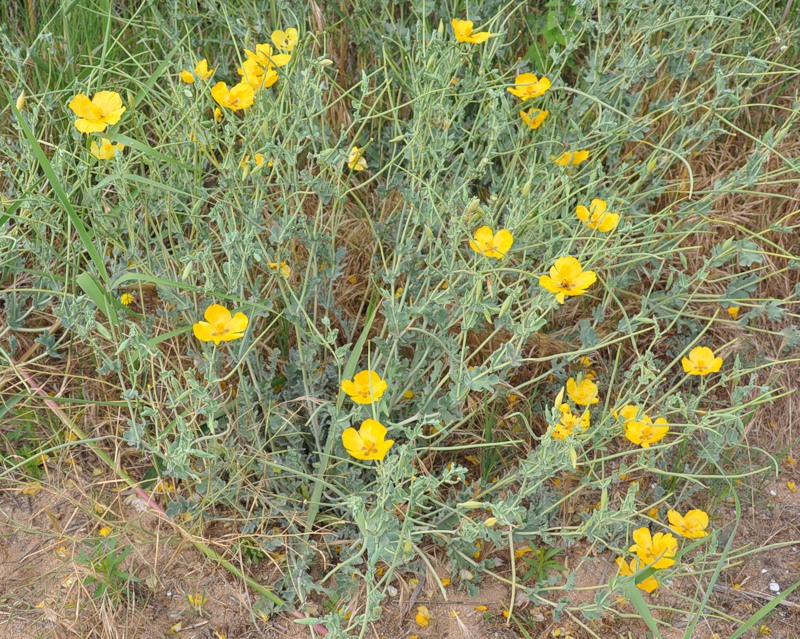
[[733, 311], [648, 585], [106, 149], [692, 525], [654, 550], [105, 531], [568, 422], [701, 361], [218, 114], [196, 600], [126, 299], [567, 277], [95, 115], [256, 75], [583, 393], [627, 413], [285, 269], [464, 33], [527, 86], [644, 431], [365, 388], [265, 56], [571, 157], [409, 394], [534, 117], [259, 68], [596, 217], [258, 158], [423, 617], [285, 40], [239, 96], [355, 160], [201, 71], [490, 244], [220, 326], [368, 442]]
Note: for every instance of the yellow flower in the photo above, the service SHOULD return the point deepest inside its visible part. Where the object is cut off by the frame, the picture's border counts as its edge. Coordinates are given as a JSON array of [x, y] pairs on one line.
[[521, 552], [656, 550], [257, 76], [201, 71], [285, 269], [368, 442], [567, 277], [126, 299], [490, 244], [218, 114], [791, 486], [528, 86], [534, 117], [627, 413], [645, 432], [701, 361], [20, 103], [356, 160], [595, 217], [258, 158], [481, 608], [285, 40], [196, 600], [423, 617], [569, 422], [95, 115], [584, 393], [259, 68], [409, 394], [239, 96], [264, 55], [105, 531], [220, 326], [692, 525], [367, 387], [571, 157], [463, 32], [106, 149], [733, 311], [648, 585]]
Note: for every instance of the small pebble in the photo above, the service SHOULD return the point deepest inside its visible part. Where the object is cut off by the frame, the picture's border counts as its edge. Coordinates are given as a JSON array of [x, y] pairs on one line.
[[774, 587]]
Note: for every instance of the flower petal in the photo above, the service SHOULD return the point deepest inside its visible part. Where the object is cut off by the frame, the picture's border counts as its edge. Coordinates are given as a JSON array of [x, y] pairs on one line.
[[372, 430], [217, 313], [238, 323], [83, 107], [202, 331]]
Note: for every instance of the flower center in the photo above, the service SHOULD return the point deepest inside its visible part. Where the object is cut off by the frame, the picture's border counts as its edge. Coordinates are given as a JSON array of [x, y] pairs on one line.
[[369, 448], [220, 329], [566, 285]]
